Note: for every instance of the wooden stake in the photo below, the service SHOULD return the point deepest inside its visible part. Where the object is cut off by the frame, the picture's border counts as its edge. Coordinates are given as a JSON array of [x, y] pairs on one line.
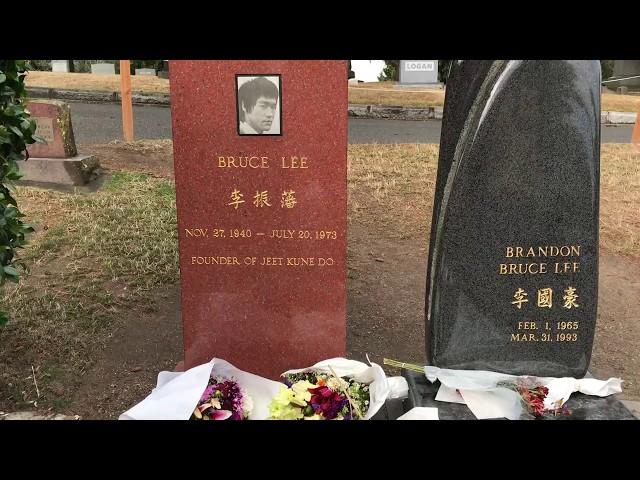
[[635, 136], [127, 106]]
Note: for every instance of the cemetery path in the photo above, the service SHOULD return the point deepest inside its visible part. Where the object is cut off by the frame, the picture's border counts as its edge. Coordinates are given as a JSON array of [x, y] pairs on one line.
[[102, 122]]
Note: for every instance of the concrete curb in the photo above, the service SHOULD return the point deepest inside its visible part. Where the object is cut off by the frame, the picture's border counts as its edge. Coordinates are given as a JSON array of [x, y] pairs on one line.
[[395, 112], [93, 96], [356, 111]]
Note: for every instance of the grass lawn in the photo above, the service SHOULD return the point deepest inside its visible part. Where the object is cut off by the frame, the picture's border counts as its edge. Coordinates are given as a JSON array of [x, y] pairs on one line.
[[375, 93], [96, 257], [103, 83]]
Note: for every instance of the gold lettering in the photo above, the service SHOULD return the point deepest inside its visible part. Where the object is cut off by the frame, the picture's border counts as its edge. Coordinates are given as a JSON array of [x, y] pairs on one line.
[[294, 162], [530, 252], [542, 251], [214, 261], [509, 252], [243, 162], [575, 250], [522, 268]]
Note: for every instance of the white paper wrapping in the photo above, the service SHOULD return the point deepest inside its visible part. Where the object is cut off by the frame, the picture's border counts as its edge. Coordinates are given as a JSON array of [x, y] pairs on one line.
[[381, 388], [420, 413], [479, 391], [177, 393]]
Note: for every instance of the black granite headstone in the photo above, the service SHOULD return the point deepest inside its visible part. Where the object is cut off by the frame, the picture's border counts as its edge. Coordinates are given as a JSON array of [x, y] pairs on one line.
[[513, 265]]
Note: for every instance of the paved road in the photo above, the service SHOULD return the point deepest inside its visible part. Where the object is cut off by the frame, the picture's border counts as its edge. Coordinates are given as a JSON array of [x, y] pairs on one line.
[[98, 123]]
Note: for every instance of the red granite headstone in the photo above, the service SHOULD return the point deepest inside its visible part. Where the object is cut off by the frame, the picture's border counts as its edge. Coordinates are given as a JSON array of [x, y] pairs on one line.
[[261, 216], [53, 125]]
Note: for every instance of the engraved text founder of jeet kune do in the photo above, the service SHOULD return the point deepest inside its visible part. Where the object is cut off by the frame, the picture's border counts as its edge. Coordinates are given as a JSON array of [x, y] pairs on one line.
[[257, 102]]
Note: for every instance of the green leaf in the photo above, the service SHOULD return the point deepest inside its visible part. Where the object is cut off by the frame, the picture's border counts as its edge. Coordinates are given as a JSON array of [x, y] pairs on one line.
[[3, 77], [10, 271], [3, 318], [10, 212], [16, 130]]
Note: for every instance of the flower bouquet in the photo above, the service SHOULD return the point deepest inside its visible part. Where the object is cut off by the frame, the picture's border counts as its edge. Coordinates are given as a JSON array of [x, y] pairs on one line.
[[500, 395], [336, 389], [223, 399], [216, 390], [533, 394]]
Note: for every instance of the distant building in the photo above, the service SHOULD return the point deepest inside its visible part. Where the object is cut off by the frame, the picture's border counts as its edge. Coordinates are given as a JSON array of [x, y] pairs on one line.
[[367, 70]]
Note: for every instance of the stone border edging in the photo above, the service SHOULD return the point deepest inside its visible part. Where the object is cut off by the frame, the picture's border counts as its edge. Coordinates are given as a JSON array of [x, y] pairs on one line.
[[354, 110], [96, 96]]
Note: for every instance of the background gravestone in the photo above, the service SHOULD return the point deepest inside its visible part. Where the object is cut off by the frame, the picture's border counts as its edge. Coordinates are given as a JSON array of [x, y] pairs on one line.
[[418, 71], [146, 71], [103, 69], [62, 66], [514, 258], [261, 218], [56, 161]]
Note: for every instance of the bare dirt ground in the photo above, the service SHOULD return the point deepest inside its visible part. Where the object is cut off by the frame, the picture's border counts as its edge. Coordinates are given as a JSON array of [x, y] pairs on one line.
[[387, 256]]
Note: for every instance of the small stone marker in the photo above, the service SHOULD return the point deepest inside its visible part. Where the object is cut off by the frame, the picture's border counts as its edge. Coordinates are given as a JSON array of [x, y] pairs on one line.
[[61, 66], [56, 161], [419, 71], [260, 164], [145, 71], [103, 68]]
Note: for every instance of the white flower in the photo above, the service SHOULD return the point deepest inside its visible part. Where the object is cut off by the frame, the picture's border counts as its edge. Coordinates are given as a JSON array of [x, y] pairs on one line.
[[247, 404], [337, 384], [315, 416]]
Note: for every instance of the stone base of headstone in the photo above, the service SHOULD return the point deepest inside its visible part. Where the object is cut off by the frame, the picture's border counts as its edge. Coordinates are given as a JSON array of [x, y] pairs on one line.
[[74, 171], [422, 393]]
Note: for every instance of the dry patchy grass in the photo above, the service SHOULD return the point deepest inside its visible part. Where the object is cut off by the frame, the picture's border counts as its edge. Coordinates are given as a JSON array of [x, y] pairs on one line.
[[612, 102], [94, 258], [620, 199], [394, 184], [89, 81], [384, 94]]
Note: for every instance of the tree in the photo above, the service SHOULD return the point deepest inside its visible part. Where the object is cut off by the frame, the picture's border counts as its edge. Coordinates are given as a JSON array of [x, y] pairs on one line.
[[17, 130], [607, 68], [391, 71]]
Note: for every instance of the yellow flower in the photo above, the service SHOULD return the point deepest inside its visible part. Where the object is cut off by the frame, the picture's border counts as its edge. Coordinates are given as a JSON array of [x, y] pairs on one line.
[[301, 392]]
